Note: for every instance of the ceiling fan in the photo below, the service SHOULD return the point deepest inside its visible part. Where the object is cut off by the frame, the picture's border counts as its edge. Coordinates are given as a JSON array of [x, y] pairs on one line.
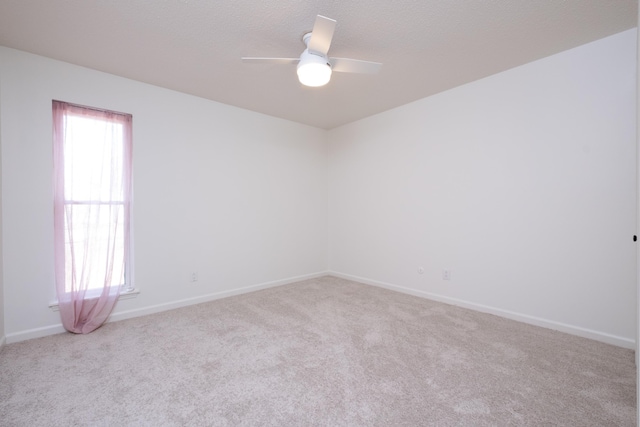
[[314, 66]]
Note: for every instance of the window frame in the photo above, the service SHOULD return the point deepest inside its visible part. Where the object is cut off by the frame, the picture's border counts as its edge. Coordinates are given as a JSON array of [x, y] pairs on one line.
[[62, 201]]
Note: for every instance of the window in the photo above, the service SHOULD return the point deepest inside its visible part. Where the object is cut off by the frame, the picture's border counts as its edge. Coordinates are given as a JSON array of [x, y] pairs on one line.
[[92, 200]]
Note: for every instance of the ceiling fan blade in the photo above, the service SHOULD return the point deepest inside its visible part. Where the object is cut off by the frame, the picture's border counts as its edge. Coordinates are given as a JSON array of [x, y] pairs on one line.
[[346, 65], [285, 61], [322, 34]]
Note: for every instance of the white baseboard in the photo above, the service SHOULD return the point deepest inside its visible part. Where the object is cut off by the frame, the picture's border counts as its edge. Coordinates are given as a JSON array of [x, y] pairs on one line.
[[3, 341], [524, 318], [35, 333], [129, 314]]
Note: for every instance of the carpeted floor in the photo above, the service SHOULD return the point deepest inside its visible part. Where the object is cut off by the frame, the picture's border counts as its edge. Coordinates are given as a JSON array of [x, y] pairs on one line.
[[324, 352]]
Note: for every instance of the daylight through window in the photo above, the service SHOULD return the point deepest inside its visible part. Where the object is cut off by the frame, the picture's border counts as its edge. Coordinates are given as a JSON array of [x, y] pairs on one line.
[[94, 166]]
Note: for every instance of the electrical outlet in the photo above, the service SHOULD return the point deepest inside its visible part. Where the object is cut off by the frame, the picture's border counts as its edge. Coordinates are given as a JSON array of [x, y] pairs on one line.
[[446, 274], [194, 276], [420, 270]]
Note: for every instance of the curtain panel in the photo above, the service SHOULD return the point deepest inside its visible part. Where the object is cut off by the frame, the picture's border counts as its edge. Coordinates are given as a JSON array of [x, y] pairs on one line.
[[92, 155]]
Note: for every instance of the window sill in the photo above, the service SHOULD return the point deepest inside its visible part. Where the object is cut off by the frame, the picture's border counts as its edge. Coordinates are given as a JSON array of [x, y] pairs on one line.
[[124, 295]]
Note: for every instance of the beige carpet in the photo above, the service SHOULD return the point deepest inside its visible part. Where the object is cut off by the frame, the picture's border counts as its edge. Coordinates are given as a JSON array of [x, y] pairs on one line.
[[320, 352]]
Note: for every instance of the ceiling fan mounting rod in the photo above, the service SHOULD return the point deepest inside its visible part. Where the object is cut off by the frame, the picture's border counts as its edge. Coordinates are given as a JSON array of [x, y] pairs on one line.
[[305, 38]]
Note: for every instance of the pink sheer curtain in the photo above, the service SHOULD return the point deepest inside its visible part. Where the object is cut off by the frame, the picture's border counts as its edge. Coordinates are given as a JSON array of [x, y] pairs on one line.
[[92, 153]]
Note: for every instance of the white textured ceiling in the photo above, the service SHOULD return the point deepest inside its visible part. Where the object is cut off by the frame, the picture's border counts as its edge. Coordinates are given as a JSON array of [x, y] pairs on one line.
[[194, 46]]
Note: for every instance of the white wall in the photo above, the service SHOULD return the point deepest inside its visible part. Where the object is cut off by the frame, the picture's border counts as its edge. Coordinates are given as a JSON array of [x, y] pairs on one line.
[[237, 196], [637, 299], [522, 184], [2, 332]]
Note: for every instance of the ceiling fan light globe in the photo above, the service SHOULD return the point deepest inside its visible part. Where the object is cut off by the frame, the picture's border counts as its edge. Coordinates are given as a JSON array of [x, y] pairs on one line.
[[313, 70], [314, 75]]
